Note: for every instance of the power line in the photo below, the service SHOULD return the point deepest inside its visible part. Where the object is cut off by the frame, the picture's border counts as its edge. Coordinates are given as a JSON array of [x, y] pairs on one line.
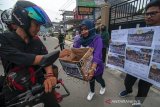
[[68, 5], [63, 6]]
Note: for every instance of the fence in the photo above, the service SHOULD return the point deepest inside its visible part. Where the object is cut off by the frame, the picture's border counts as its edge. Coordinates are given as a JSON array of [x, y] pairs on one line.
[[127, 14]]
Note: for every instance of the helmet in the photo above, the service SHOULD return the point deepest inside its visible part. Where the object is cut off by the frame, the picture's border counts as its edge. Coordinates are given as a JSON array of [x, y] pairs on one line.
[[25, 11], [6, 16]]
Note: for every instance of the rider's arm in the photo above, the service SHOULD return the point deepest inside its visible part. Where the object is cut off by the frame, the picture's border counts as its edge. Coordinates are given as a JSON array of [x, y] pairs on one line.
[[14, 55], [50, 80]]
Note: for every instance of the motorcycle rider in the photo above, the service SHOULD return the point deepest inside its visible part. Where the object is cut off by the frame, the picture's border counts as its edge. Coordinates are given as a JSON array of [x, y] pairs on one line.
[[19, 49], [6, 19]]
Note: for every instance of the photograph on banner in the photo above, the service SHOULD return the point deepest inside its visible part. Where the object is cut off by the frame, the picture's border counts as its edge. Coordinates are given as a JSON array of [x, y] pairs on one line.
[[116, 61], [138, 55], [141, 36], [138, 60], [119, 35], [117, 47], [154, 73], [156, 54], [156, 38]]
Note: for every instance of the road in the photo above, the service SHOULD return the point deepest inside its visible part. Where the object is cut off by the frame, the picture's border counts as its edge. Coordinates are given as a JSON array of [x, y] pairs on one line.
[[114, 84]]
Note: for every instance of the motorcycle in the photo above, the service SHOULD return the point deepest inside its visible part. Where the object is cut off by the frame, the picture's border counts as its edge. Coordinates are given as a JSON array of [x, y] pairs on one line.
[[33, 93]]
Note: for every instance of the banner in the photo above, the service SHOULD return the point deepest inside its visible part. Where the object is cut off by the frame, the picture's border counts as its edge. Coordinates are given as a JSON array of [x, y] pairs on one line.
[[136, 51]]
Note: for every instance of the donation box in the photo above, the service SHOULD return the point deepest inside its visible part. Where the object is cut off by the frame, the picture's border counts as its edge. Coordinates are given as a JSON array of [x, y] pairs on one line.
[[78, 63]]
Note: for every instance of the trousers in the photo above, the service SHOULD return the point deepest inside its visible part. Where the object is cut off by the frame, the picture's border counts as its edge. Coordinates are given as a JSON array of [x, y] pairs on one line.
[[143, 87], [99, 79]]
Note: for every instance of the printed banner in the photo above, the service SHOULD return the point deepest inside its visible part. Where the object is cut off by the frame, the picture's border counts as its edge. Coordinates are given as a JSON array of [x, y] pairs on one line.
[[136, 51]]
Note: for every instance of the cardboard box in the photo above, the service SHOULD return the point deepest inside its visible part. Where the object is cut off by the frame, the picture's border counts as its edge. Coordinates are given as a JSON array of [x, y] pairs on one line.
[[78, 62]]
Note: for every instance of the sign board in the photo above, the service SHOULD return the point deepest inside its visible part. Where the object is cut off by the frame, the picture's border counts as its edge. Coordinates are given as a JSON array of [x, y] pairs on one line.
[[90, 3], [85, 10], [86, 3]]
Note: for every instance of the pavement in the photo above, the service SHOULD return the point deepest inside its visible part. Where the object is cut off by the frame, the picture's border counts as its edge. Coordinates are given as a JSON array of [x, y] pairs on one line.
[[114, 84]]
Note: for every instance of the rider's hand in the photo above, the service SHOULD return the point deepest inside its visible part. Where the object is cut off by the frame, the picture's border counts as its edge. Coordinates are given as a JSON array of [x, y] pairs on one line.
[[64, 52], [49, 83]]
